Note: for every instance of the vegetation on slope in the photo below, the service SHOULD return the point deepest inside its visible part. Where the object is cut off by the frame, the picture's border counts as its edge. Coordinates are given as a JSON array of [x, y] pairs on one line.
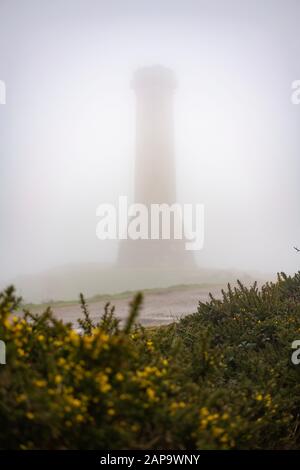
[[221, 378]]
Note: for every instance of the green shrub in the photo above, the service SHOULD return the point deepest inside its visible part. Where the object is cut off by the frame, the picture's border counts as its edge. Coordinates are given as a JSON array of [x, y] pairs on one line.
[[219, 378]]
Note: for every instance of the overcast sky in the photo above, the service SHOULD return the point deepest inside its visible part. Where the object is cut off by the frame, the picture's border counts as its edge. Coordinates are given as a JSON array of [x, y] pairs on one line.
[[67, 130]]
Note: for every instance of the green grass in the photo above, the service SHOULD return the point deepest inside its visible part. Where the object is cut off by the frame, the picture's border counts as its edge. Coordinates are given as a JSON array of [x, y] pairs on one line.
[[120, 295]]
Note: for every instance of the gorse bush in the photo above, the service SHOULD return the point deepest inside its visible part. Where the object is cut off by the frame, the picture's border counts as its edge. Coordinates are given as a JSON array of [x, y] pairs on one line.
[[221, 378]]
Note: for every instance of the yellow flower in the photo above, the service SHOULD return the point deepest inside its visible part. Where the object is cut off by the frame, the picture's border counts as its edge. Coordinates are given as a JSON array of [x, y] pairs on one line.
[[79, 418], [217, 431], [6, 323], [102, 381], [176, 406], [58, 379], [40, 383], [151, 394], [203, 423], [41, 338], [111, 412], [74, 337], [88, 340], [124, 396], [204, 411], [75, 402], [119, 377], [21, 398], [150, 345], [21, 352], [104, 337], [224, 439], [30, 415], [259, 397]]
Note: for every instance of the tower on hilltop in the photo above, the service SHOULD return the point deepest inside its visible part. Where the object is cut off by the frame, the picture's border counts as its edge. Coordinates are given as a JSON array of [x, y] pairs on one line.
[[155, 175]]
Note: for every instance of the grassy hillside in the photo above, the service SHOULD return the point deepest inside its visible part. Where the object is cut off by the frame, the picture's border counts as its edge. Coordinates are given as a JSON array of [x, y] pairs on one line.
[[64, 283], [111, 298], [221, 378]]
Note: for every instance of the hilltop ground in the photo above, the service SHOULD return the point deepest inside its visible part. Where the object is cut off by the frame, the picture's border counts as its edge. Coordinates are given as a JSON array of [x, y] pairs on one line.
[[161, 306]]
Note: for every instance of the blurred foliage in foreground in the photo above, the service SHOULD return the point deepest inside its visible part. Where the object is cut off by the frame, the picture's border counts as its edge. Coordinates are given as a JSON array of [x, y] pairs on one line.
[[220, 378]]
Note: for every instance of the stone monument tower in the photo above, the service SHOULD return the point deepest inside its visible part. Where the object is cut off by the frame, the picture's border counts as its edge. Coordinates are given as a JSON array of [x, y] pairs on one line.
[[154, 163], [155, 176]]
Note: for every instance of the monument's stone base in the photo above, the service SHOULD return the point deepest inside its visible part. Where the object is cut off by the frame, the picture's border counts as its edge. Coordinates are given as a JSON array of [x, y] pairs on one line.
[[155, 254]]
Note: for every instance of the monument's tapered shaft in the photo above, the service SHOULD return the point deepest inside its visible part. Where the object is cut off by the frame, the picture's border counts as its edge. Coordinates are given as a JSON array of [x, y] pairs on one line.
[[154, 164], [155, 179]]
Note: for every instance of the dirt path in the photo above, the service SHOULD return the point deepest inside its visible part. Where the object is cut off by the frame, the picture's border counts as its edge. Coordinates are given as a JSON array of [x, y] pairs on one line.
[[159, 307]]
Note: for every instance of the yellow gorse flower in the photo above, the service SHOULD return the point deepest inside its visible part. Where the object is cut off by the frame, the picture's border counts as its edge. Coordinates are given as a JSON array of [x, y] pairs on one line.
[[40, 383]]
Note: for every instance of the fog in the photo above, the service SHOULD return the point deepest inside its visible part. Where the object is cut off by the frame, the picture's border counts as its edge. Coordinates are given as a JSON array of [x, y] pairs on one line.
[[67, 131]]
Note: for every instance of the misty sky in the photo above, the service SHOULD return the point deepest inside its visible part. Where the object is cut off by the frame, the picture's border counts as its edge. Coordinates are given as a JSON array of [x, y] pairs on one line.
[[67, 130]]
